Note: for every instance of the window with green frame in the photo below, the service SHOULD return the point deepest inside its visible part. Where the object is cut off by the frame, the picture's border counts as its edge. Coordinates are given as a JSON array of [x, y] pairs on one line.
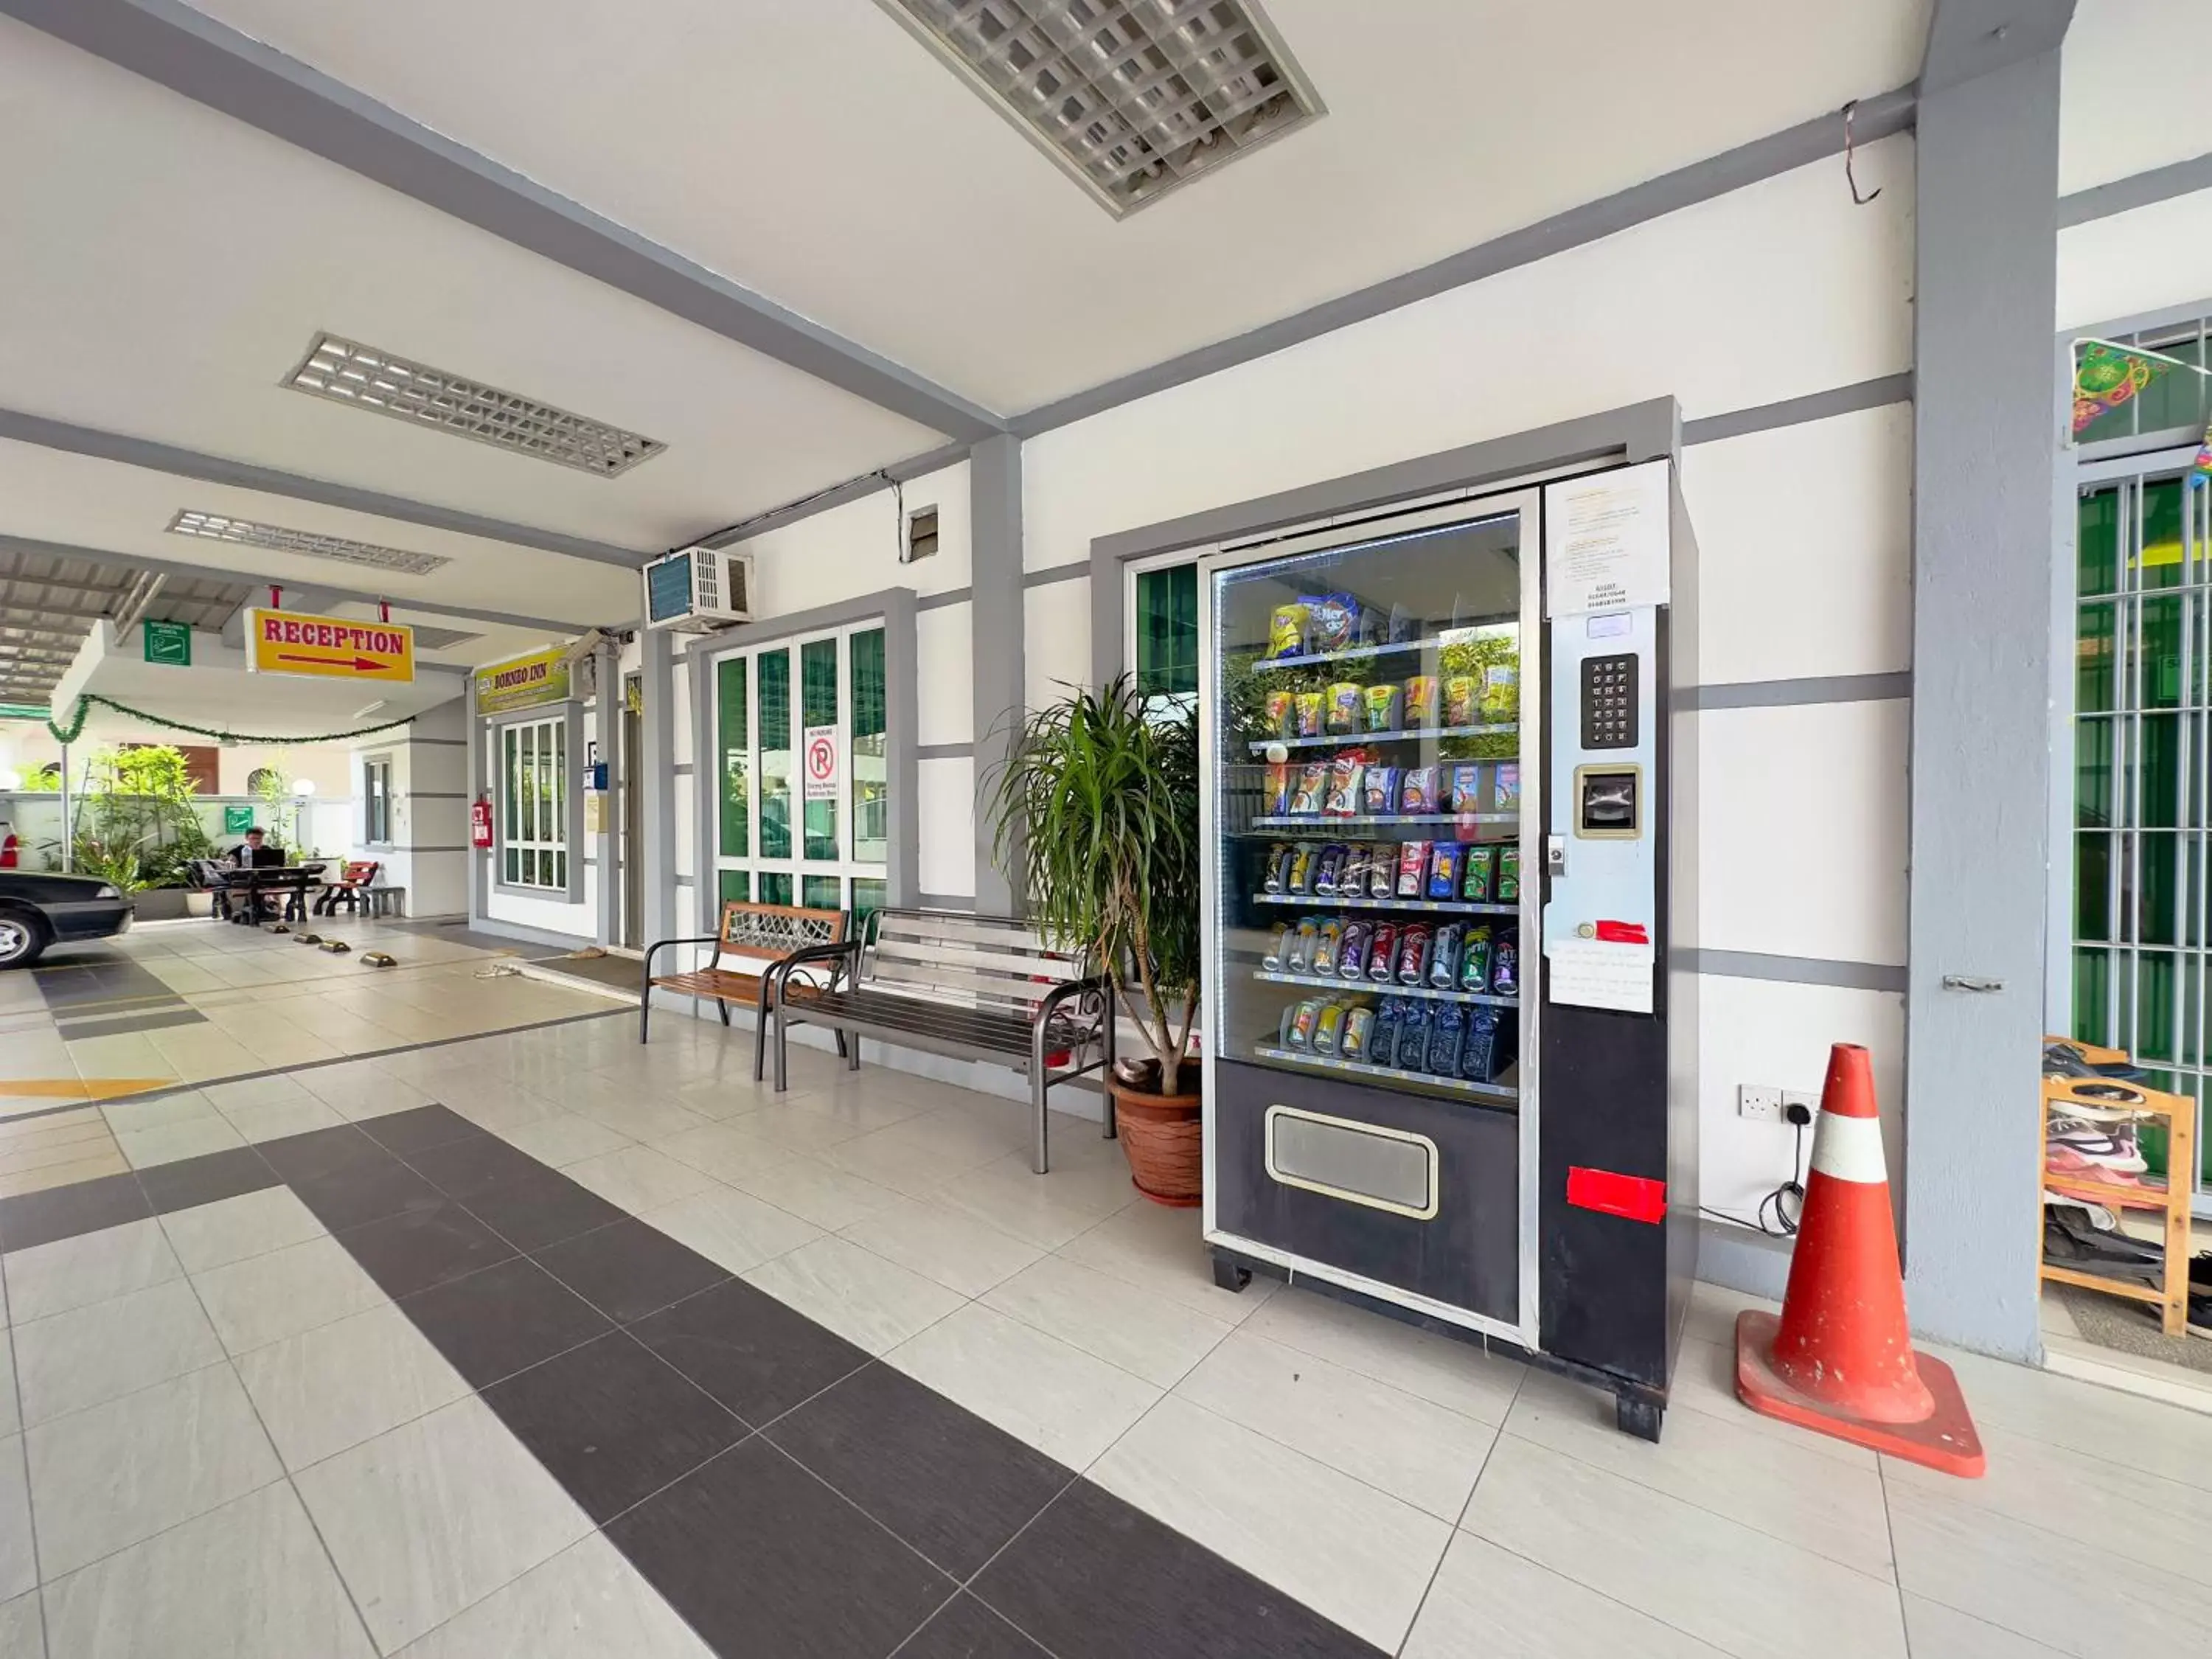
[[775, 754], [834, 856], [818, 663], [1167, 632], [734, 726], [2141, 922]]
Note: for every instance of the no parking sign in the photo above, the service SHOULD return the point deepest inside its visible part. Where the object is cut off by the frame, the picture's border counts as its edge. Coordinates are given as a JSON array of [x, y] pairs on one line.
[[824, 763]]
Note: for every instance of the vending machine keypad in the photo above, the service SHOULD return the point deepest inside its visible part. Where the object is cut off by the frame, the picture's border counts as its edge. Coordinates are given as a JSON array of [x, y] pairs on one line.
[[1609, 703]]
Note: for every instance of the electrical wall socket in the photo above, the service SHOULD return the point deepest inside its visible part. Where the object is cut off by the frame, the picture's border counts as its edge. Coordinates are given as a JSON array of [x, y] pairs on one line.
[[1810, 1103], [1759, 1103]]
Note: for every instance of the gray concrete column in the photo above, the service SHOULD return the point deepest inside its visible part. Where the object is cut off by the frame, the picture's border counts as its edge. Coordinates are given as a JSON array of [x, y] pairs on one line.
[[607, 679], [656, 769], [994, 490], [1984, 440]]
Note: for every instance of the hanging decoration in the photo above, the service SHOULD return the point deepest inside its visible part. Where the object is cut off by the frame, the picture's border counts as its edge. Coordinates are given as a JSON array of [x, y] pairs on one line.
[[2107, 376], [74, 728], [2200, 471]]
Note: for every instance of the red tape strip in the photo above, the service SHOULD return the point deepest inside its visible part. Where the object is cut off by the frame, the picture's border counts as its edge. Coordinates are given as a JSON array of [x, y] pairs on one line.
[[1633, 1196]]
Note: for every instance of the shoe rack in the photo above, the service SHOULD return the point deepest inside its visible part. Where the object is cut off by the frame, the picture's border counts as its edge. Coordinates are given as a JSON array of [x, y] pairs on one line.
[[2171, 1296]]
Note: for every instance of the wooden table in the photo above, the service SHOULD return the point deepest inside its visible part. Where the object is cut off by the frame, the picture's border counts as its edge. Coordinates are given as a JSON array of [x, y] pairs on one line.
[[244, 890]]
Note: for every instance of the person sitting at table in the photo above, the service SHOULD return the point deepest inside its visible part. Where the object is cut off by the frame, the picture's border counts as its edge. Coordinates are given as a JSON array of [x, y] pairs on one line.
[[255, 853]]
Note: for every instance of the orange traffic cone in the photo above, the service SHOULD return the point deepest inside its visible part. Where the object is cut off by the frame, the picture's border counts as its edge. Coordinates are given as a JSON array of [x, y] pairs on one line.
[[1839, 1359]]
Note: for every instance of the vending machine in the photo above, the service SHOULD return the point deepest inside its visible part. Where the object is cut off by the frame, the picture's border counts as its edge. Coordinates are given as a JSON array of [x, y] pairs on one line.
[[1450, 1065]]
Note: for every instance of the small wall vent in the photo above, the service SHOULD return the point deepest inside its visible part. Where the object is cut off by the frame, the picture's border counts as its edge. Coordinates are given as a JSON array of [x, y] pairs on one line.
[[920, 535]]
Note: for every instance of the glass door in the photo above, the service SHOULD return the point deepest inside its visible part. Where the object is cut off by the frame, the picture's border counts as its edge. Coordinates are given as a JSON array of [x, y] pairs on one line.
[[1370, 777]]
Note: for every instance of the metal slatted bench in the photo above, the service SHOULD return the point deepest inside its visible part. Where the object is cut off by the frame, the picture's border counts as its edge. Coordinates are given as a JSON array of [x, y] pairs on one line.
[[754, 940], [974, 987]]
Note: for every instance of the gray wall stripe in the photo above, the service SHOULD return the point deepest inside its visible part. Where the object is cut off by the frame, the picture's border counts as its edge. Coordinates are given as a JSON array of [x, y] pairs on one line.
[[2158, 185], [442, 743], [1701, 181], [175, 46], [210, 468], [531, 891], [853, 489], [1637, 432], [1058, 573], [686, 880], [106, 560], [930, 751], [939, 601], [1793, 411], [683, 769], [1791, 970], [429, 794], [1790, 694], [947, 901]]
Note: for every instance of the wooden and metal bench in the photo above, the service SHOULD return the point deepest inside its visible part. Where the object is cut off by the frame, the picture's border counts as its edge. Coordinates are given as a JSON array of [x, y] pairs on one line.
[[353, 878], [754, 939], [974, 987]]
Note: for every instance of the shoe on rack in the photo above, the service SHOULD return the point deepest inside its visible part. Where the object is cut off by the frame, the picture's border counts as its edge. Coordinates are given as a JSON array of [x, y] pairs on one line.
[[2065, 1234], [2112, 1146], [2200, 1314], [2067, 1060]]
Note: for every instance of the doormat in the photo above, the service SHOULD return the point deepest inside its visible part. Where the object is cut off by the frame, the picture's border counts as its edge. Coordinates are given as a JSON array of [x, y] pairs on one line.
[[2110, 1322]]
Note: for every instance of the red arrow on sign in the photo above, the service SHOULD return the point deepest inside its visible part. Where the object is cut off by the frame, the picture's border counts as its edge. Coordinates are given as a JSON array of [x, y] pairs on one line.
[[356, 662]]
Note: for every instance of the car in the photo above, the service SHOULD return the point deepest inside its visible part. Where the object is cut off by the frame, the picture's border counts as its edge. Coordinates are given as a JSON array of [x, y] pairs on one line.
[[39, 909]]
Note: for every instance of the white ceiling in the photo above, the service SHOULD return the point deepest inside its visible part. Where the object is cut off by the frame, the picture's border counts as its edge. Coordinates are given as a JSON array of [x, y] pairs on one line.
[[2134, 94], [81, 502], [165, 267], [818, 154]]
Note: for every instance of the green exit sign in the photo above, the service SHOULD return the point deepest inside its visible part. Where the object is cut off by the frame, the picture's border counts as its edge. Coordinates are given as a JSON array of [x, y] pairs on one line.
[[169, 643]]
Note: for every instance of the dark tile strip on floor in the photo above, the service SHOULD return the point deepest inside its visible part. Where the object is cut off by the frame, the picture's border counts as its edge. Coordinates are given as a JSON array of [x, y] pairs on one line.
[[110, 997], [788, 1494]]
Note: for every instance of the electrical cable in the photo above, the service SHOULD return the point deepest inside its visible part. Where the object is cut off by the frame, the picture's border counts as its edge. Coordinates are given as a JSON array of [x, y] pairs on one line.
[[742, 524], [1787, 1200]]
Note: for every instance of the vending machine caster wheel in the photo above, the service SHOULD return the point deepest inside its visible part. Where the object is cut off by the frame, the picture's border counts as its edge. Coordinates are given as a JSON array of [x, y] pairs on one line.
[[1230, 1275], [1639, 1416]]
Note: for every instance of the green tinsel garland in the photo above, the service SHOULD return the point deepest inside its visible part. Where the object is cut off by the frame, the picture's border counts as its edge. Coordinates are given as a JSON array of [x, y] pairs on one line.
[[75, 727]]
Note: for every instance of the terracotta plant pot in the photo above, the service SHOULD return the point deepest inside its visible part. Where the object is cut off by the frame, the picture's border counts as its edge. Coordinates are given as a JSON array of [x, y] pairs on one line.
[[1162, 1138]]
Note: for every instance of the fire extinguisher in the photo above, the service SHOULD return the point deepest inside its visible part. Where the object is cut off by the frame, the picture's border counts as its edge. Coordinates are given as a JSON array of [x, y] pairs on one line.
[[11, 851], [480, 824]]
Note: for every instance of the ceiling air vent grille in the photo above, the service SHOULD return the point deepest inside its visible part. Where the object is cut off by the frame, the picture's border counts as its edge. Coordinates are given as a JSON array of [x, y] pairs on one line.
[[248, 533], [363, 376], [1133, 97]]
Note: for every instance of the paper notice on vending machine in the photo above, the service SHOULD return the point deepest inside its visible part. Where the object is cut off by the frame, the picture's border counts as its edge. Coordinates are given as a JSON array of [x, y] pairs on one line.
[[1606, 541], [1600, 973]]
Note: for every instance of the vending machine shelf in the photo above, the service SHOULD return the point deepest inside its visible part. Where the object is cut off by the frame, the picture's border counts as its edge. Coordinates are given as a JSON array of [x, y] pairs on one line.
[[1350, 653], [1405, 734], [1382, 988], [1388, 820], [1434, 906]]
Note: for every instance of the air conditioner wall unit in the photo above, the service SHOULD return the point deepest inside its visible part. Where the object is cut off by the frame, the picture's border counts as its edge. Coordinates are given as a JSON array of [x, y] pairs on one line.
[[694, 589]]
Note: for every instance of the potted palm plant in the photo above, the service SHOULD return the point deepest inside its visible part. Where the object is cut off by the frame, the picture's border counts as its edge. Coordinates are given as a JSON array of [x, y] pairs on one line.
[[1097, 807]]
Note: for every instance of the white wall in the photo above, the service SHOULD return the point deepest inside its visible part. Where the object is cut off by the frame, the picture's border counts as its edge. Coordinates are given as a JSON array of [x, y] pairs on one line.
[[429, 811], [2151, 260], [851, 550], [1780, 290]]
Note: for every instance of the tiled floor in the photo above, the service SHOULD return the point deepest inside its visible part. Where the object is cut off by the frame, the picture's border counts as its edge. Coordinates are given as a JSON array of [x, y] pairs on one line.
[[148, 1028], [576, 1348]]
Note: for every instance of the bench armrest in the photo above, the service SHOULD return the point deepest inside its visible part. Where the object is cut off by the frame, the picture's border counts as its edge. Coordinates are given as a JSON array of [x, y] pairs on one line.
[[778, 974], [1060, 993], [663, 945]]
